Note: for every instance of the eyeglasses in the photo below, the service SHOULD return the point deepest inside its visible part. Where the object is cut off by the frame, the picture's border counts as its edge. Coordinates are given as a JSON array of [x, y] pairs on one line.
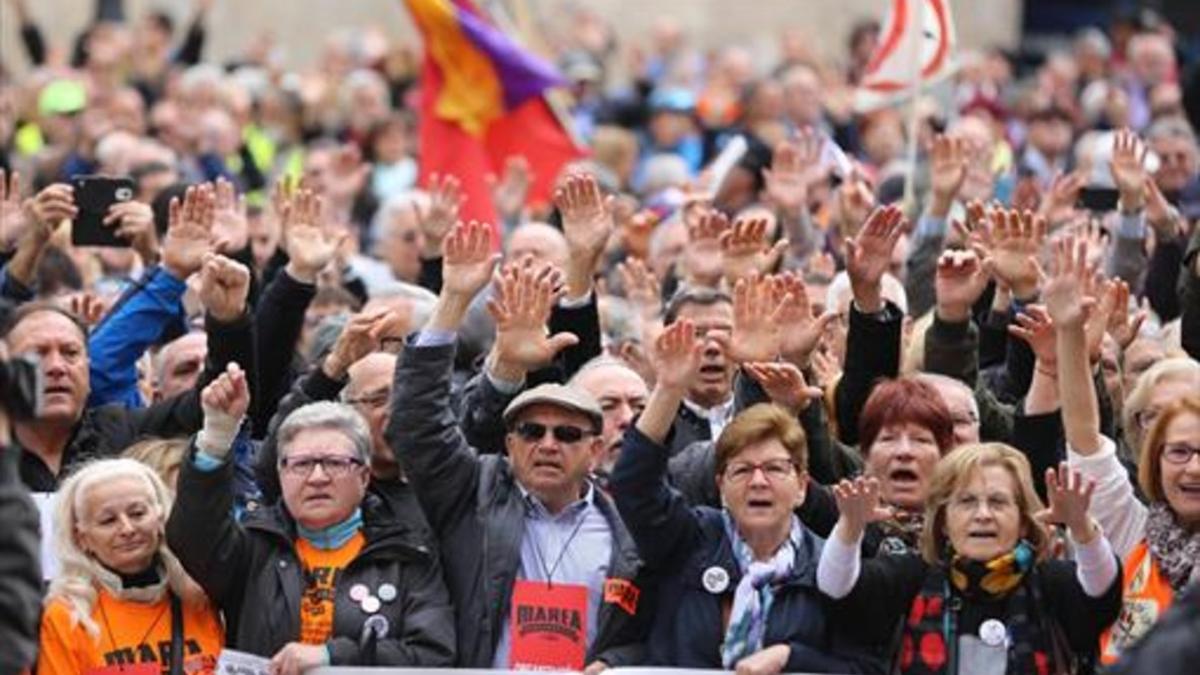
[[335, 466], [1179, 454], [971, 503], [774, 469], [563, 433]]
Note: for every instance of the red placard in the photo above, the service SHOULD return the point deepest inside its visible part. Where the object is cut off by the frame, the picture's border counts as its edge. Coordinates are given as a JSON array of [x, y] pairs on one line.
[[548, 626]]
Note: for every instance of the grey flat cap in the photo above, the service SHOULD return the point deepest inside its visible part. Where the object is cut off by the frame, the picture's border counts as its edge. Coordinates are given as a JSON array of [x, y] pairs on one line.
[[557, 395]]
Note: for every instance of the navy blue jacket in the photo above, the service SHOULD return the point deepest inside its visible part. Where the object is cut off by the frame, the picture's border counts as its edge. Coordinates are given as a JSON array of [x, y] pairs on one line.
[[680, 543]]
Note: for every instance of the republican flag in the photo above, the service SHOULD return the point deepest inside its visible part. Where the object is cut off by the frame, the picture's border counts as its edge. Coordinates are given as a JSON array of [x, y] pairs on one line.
[[481, 102], [917, 39]]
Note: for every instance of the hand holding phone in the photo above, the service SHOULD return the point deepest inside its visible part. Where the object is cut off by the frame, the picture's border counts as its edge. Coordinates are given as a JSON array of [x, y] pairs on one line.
[[94, 196]]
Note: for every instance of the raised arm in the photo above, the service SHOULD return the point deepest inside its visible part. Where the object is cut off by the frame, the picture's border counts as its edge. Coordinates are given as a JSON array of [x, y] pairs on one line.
[[587, 222], [202, 530], [1115, 506], [422, 428], [138, 319], [310, 244], [656, 514], [873, 341], [38, 218]]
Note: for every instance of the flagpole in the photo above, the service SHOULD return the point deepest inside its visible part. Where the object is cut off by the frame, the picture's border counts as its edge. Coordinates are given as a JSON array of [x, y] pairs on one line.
[[918, 32]]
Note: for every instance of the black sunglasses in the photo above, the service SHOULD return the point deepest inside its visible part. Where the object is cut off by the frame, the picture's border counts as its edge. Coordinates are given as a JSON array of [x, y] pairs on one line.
[[563, 433]]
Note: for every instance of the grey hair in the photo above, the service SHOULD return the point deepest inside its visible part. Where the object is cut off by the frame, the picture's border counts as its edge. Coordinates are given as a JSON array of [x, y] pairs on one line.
[[422, 301], [401, 202], [935, 378], [327, 415], [1171, 127]]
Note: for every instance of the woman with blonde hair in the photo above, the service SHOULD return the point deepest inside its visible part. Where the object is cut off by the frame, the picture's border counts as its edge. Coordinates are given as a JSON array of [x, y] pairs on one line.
[[983, 595], [121, 597], [1159, 540]]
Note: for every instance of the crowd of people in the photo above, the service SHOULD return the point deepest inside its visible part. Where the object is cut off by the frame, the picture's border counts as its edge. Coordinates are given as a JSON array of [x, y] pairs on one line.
[[822, 410]]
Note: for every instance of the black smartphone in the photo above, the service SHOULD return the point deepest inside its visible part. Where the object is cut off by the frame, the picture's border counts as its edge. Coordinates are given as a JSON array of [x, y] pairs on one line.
[[94, 195], [1097, 200]]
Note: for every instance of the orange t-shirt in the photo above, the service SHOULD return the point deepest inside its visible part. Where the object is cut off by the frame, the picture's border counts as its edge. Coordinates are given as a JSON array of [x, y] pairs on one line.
[[135, 634], [321, 571]]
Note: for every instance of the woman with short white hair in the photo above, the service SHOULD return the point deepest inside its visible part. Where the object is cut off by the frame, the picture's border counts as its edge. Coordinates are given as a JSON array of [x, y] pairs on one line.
[[121, 597]]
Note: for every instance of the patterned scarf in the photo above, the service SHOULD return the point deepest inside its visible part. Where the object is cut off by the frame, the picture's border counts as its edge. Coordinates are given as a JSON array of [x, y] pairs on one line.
[[755, 592], [929, 635], [901, 534], [1174, 548]]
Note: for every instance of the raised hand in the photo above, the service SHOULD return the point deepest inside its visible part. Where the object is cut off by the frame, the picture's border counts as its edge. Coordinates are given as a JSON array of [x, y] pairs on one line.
[[869, 255], [360, 337], [51, 206], [346, 177], [1166, 220], [948, 170], [644, 293], [512, 188], [227, 395], [189, 225], [135, 223], [1037, 330], [468, 259], [959, 282], [89, 308], [1127, 169], [1123, 325], [702, 256], [855, 200], [744, 249], [309, 243], [1070, 495], [520, 305], [802, 331], [1058, 206], [795, 165], [1064, 293], [445, 203], [230, 231], [784, 384], [677, 356], [13, 218], [758, 328], [1017, 239], [859, 505], [635, 228], [224, 285], [587, 220]]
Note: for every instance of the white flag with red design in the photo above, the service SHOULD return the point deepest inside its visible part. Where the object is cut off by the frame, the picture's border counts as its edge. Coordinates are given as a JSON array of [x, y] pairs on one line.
[[889, 74]]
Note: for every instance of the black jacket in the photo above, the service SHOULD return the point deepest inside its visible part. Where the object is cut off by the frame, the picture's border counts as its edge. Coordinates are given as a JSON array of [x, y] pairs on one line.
[[20, 569], [475, 506], [872, 352], [680, 543], [107, 430], [252, 573]]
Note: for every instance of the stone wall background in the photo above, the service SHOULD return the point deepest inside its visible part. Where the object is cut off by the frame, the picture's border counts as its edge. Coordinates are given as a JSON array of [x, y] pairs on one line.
[[302, 24]]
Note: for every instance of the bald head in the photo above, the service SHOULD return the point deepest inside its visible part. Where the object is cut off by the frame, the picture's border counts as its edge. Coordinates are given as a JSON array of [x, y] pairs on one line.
[[543, 242]]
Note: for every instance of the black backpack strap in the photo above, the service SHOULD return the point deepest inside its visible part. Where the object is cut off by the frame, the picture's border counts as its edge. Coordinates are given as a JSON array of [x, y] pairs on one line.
[[177, 654]]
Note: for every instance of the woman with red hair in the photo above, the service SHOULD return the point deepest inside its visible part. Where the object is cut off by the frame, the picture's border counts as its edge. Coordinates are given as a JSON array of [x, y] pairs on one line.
[[904, 429]]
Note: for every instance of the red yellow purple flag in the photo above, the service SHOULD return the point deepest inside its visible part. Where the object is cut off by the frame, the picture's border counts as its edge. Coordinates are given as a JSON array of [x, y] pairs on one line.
[[481, 102]]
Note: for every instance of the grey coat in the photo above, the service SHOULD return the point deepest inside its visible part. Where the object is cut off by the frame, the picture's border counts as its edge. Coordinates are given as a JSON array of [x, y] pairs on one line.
[[476, 509]]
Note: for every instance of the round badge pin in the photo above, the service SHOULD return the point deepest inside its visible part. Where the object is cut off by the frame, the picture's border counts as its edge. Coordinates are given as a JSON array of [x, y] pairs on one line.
[[359, 592], [993, 633], [715, 579], [379, 625], [387, 593], [370, 604]]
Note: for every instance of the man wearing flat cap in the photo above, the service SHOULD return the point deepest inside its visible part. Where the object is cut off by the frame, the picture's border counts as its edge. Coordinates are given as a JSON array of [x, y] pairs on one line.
[[541, 570]]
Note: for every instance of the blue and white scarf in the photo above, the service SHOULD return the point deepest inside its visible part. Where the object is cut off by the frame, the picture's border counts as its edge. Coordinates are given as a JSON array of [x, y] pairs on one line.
[[755, 592]]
